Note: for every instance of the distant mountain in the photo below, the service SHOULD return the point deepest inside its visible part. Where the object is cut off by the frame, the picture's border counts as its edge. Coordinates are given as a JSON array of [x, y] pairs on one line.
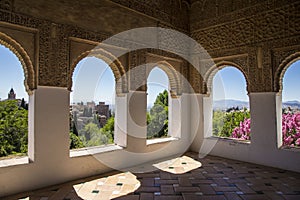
[[292, 104], [229, 103]]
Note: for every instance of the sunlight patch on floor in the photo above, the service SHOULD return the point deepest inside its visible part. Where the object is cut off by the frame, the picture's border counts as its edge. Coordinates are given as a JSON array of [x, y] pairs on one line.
[[179, 165], [109, 187]]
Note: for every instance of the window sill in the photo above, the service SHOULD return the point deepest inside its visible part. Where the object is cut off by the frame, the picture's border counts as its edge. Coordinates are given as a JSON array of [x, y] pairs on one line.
[[231, 140], [94, 150], [161, 140], [14, 161], [292, 149]]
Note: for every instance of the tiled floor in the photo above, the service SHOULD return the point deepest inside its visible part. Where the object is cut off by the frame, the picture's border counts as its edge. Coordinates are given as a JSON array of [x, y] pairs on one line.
[[217, 178]]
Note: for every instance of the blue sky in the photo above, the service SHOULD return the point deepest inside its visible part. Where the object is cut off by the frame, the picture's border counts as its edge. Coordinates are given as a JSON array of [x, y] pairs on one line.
[[12, 74], [291, 83], [157, 82], [229, 83], [94, 80]]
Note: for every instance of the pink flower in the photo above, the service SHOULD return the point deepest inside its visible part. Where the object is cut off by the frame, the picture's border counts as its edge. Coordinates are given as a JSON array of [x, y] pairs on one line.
[[288, 140], [298, 142], [242, 132], [297, 120], [291, 129]]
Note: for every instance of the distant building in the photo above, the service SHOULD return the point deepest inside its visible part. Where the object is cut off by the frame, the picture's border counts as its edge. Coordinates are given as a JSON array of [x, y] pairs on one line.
[[11, 95], [85, 113], [103, 110], [102, 120], [91, 104]]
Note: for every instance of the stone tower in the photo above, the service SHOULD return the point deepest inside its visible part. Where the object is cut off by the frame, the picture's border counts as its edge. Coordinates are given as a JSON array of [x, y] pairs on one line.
[[11, 94]]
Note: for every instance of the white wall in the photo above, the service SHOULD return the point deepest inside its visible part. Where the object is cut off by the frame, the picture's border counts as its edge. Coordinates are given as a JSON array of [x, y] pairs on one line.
[[49, 142], [263, 149], [49, 139]]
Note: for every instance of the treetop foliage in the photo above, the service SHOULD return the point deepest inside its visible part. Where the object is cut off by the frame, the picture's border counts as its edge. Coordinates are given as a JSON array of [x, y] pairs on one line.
[[13, 128]]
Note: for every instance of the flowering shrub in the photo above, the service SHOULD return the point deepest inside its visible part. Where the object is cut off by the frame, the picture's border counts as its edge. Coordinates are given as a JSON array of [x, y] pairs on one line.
[[291, 129], [242, 132], [225, 122]]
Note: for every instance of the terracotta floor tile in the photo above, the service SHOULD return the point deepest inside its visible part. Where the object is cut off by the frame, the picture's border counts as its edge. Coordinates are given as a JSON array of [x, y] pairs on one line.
[[167, 189], [232, 196], [146, 196], [168, 197], [255, 197]]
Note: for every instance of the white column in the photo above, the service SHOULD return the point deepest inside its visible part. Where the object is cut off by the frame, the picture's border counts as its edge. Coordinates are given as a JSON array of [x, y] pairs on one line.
[[49, 125], [279, 119], [174, 118], [136, 121], [197, 134], [207, 143], [185, 115], [207, 115], [120, 133], [31, 129], [263, 121]]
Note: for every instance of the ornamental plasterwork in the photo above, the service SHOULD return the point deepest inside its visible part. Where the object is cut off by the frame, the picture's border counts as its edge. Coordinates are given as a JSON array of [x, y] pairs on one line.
[[268, 33]]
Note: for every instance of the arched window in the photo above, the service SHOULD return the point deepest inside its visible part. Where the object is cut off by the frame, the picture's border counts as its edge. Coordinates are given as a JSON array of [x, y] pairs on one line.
[[231, 113], [13, 105], [291, 106], [92, 104], [157, 104]]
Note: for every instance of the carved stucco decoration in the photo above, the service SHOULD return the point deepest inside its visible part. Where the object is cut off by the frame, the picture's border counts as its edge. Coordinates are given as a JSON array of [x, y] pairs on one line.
[[248, 29], [23, 57], [173, 78], [54, 56], [115, 65], [173, 12], [137, 70], [178, 64], [203, 15], [172, 69], [142, 61], [52, 48], [196, 81], [263, 26], [6, 5], [256, 62]]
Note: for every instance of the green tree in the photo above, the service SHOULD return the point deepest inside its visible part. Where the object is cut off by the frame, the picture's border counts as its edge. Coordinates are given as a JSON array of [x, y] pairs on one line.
[[75, 141], [108, 129], [91, 135], [74, 124], [89, 131], [158, 117], [13, 128], [218, 122], [225, 122], [96, 120]]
